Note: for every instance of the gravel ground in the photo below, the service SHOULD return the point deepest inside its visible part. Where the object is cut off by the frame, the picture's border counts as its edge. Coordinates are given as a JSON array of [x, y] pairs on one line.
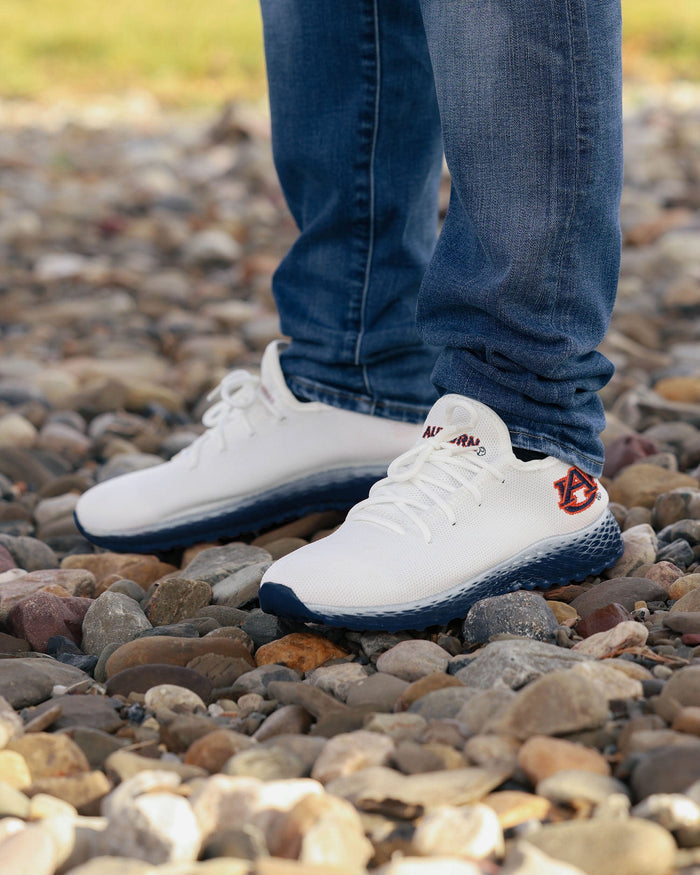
[[152, 718]]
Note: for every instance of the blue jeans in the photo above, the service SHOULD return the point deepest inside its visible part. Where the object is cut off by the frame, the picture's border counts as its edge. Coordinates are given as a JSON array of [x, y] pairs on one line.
[[509, 305]]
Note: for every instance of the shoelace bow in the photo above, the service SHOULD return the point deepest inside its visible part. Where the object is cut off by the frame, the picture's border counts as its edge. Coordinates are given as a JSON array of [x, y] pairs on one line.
[[417, 468], [236, 393]]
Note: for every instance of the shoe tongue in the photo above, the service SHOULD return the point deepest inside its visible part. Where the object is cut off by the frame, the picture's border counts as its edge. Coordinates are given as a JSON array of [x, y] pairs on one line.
[[468, 424], [273, 384]]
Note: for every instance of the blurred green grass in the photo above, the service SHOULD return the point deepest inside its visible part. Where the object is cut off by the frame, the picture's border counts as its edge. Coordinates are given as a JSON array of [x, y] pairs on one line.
[[188, 52]]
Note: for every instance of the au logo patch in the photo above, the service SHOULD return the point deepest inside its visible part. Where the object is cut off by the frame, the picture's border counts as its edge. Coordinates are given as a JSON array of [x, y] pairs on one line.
[[577, 491]]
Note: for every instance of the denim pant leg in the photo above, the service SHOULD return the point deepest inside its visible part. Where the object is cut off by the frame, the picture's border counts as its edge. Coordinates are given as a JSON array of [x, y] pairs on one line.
[[522, 283], [357, 147]]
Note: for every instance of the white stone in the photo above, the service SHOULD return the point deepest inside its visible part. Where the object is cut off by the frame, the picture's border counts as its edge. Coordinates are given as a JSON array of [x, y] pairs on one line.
[[412, 660], [626, 634], [11, 724], [433, 866], [640, 546], [336, 680], [610, 680], [212, 244], [151, 825], [671, 810], [16, 431], [169, 697], [472, 831], [525, 859]]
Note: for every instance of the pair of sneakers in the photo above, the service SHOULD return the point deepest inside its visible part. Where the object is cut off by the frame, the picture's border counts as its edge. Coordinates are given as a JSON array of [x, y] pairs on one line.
[[457, 516]]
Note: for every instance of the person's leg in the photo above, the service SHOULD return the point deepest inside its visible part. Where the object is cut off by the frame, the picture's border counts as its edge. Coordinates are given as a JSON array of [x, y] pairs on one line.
[[358, 151], [521, 286], [518, 293], [357, 145]]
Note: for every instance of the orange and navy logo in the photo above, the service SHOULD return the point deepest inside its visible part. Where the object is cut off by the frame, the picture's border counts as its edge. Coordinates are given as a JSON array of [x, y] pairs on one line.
[[577, 491]]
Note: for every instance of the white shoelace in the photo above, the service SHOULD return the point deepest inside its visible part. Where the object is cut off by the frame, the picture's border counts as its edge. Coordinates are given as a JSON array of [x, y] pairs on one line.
[[417, 469], [236, 394]]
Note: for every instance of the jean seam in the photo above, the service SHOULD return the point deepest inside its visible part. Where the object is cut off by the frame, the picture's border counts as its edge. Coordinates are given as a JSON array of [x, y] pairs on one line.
[[371, 180], [566, 235]]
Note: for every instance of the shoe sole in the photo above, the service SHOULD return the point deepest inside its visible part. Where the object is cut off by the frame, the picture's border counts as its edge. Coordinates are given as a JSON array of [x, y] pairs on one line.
[[335, 490], [553, 561]]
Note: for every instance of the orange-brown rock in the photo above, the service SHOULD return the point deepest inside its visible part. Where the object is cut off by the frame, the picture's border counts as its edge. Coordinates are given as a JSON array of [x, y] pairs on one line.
[[641, 484], [301, 651], [514, 807], [687, 720], [50, 755], [212, 751], [144, 570], [84, 791], [171, 651], [542, 756]]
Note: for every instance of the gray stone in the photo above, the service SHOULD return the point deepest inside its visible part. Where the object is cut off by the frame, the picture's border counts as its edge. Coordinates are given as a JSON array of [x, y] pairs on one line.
[[263, 628], [85, 711], [112, 618], [515, 662], [337, 680], [29, 553], [241, 587], [258, 679], [217, 563], [682, 690], [520, 613], [666, 770], [379, 690], [29, 680], [556, 704], [443, 704], [414, 659]]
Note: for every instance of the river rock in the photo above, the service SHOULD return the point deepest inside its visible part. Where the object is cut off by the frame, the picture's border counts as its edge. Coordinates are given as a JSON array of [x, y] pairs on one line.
[[515, 663], [639, 485], [172, 651], [112, 618], [27, 681], [174, 599], [411, 660], [625, 591], [301, 651], [542, 756], [555, 704], [518, 613], [633, 847]]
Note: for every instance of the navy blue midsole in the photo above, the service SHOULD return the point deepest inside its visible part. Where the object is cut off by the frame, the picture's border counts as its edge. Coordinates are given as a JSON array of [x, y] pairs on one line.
[[587, 553], [339, 491]]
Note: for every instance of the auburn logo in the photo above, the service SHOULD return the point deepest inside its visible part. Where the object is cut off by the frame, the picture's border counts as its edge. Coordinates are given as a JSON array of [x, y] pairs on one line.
[[577, 491]]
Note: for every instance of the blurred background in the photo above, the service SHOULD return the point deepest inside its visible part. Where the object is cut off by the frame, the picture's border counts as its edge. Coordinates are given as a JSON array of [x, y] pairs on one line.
[[188, 53]]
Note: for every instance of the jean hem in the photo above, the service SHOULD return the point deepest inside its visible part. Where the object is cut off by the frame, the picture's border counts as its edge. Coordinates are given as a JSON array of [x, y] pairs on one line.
[[309, 390], [564, 452]]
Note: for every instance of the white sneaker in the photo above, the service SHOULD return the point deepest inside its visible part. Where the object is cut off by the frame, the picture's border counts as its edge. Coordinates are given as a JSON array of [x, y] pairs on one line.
[[266, 457], [457, 519]]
